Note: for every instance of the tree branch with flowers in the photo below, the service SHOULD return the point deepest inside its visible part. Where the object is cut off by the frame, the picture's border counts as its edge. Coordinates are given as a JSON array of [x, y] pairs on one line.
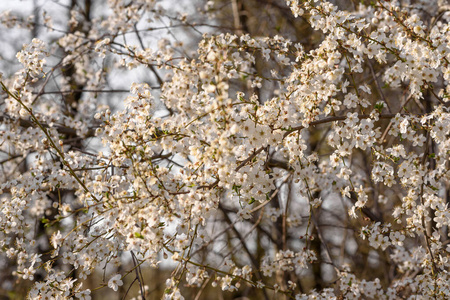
[[237, 155]]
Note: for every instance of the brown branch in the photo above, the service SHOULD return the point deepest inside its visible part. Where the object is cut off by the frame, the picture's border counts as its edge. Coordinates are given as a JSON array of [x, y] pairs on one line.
[[61, 129], [244, 245]]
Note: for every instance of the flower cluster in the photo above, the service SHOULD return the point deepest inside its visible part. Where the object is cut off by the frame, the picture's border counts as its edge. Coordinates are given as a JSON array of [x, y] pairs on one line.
[[276, 163]]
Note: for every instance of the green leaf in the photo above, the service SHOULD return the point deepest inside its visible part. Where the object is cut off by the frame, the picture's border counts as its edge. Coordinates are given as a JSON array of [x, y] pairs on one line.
[[433, 188], [379, 106]]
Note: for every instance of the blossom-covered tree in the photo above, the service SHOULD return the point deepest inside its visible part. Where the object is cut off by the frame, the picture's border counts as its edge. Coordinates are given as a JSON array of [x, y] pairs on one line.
[[261, 149]]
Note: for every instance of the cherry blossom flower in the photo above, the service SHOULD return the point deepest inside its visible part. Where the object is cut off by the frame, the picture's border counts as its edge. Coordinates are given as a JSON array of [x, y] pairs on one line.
[[115, 282]]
